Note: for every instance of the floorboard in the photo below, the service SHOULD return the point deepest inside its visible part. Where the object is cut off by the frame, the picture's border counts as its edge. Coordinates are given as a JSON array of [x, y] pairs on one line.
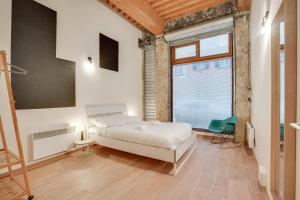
[[211, 173]]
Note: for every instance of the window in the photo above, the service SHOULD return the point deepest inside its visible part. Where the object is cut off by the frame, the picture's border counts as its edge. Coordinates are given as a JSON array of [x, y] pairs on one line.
[[214, 45], [282, 72], [209, 48], [202, 85], [185, 51], [149, 87]]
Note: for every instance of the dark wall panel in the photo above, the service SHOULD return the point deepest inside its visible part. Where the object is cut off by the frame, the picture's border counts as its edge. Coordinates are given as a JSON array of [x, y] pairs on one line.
[[50, 82], [109, 53]]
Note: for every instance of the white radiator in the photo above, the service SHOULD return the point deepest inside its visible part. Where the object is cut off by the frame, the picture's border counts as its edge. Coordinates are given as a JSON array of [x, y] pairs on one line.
[[48, 143], [250, 135], [262, 176]]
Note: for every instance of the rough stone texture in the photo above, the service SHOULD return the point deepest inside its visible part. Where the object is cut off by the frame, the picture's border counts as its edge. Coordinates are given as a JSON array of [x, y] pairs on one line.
[[242, 80], [200, 16], [163, 89], [242, 106]]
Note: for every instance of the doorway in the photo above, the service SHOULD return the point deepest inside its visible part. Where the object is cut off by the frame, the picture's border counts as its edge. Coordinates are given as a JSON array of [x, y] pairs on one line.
[[284, 76]]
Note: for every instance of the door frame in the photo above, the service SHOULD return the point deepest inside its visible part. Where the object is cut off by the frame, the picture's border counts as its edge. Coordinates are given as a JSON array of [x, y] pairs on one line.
[[288, 12], [290, 19], [275, 104]]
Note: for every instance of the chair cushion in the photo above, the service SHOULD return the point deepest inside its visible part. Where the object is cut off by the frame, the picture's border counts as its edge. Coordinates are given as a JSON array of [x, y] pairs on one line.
[[216, 126]]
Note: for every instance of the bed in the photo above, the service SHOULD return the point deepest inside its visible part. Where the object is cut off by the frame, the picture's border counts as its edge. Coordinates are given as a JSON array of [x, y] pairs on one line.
[[113, 128]]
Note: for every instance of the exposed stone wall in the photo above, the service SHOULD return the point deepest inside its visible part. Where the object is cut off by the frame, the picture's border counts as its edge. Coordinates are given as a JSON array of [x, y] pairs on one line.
[[200, 16], [242, 75], [163, 89], [241, 40]]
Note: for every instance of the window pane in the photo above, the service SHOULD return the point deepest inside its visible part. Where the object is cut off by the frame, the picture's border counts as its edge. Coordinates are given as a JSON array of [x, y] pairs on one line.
[[185, 52], [282, 91], [214, 45], [282, 33], [202, 91]]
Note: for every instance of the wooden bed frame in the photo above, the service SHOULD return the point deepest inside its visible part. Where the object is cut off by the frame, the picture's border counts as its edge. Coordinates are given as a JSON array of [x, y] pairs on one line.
[[168, 155]]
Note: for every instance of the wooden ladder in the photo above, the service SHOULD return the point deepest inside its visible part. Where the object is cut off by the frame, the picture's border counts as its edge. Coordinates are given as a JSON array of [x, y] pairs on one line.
[[10, 187]]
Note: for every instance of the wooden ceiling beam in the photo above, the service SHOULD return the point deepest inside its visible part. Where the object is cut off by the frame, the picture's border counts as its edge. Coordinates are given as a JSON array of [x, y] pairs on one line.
[[243, 5], [141, 12], [150, 1], [181, 7], [158, 3], [173, 4], [193, 8]]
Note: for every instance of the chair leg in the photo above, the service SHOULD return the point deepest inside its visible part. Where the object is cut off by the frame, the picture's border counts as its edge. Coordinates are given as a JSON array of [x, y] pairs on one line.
[[229, 138], [212, 139]]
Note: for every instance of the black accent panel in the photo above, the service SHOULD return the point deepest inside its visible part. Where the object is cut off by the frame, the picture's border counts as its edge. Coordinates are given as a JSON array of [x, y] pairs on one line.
[[50, 81], [109, 53]]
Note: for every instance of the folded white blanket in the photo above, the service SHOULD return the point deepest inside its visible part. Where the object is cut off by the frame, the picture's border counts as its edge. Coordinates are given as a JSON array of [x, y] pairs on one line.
[[155, 123], [142, 127], [164, 135]]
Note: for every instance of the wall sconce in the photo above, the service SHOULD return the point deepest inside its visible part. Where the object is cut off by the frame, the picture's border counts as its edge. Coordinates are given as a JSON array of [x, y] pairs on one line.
[[90, 60], [265, 18], [89, 66]]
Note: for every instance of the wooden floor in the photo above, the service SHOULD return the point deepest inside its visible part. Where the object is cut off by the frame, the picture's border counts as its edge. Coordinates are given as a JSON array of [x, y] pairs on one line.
[[210, 173]]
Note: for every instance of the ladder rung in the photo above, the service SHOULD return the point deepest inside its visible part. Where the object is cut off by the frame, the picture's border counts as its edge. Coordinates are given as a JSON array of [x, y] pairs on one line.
[[10, 189], [7, 159]]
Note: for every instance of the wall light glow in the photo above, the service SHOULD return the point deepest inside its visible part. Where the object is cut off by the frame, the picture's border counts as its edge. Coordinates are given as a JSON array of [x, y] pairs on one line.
[[131, 112], [89, 67], [266, 29], [266, 26]]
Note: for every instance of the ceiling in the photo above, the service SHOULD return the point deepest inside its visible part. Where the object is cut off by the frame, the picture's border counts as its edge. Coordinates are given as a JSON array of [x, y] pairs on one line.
[[151, 15], [172, 9]]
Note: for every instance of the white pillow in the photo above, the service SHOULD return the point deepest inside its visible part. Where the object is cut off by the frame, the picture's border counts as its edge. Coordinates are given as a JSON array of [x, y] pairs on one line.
[[106, 121], [126, 119]]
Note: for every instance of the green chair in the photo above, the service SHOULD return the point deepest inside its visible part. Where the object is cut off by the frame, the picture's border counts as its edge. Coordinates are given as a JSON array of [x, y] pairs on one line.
[[281, 133], [225, 129]]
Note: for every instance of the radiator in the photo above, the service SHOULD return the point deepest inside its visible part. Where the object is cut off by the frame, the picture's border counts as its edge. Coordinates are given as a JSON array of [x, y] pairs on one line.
[[262, 176], [48, 143], [250, 135]]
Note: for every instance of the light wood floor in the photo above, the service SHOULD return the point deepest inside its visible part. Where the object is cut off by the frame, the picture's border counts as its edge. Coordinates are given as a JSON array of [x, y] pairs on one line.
[[210, 173]]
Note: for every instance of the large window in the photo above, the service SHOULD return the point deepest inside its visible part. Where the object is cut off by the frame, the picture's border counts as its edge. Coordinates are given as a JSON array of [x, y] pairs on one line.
[[202, 84]]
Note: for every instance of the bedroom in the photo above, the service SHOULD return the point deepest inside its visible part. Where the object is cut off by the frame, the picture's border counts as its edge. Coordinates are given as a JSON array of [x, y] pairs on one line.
[[73, 88]]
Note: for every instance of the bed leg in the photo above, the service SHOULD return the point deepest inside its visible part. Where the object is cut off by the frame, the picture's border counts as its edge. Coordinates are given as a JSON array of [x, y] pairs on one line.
[[174, 170]]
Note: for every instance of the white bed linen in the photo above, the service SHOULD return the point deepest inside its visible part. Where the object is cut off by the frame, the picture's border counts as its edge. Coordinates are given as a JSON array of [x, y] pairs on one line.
[[163, 135]]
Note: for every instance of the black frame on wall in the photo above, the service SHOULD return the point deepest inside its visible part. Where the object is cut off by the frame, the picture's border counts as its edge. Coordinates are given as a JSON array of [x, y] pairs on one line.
[[108, 53]]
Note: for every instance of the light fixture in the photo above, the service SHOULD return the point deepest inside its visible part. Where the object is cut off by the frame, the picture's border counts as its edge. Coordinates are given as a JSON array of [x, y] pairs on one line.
[[266, 26], [89, 66], [90, 60], [265, 18]]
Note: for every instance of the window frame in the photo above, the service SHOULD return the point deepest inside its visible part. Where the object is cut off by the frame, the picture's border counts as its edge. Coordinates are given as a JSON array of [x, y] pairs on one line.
[[187, 59], [198, 58]]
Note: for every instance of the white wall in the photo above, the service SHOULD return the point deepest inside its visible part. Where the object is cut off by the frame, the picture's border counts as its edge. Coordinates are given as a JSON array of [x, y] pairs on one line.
[[261, 79], [78, 26]]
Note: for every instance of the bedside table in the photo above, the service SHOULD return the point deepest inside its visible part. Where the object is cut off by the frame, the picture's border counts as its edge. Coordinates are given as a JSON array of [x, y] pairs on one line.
[[85, 143]]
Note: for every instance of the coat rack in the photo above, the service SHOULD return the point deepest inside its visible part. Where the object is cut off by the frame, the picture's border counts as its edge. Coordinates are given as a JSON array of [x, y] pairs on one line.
[[10, 187]]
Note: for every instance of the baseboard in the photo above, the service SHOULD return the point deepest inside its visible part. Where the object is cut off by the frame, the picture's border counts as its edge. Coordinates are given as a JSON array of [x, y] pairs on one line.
[[205, 134], [42, 162], [267, 189], [270, 195]]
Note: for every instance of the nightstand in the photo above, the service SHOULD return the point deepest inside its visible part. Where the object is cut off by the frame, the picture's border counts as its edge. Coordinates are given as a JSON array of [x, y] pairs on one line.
[[84, 143]]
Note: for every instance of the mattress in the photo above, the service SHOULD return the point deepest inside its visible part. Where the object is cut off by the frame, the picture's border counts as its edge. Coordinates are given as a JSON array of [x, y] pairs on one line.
[[162, 134]]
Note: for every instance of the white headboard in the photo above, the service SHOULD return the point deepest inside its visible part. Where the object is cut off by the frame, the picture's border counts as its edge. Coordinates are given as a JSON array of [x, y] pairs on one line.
[[104, 109]]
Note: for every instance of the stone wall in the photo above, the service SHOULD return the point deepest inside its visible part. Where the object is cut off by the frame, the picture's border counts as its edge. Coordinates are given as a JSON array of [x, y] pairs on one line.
[[201, 16], [163, 89], [242, 106], [241, 83]]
